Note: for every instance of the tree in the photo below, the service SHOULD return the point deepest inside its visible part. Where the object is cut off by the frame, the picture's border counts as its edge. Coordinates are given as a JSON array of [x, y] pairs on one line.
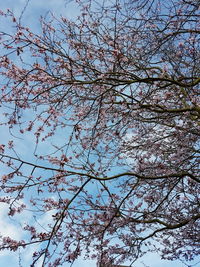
[[115, 94]]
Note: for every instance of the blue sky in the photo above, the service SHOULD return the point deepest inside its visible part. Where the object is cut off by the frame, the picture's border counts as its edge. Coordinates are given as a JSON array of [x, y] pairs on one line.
[[30, 17]]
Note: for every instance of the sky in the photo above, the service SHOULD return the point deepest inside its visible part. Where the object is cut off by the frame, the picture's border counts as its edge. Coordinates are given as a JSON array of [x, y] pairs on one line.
[[30, 17]]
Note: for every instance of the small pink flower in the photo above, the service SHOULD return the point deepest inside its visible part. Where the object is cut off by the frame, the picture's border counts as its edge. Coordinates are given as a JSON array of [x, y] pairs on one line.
[[2, 148]]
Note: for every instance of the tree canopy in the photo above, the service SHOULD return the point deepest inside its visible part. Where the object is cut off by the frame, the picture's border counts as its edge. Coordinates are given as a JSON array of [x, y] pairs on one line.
[[111, 103]]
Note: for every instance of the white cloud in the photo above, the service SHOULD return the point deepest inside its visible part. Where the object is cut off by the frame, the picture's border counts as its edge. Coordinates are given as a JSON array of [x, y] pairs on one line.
[[8, 226]]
